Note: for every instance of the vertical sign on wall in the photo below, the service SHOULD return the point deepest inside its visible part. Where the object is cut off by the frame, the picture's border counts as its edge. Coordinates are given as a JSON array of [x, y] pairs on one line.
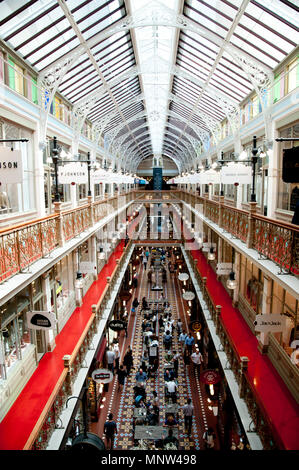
[[157, 174]]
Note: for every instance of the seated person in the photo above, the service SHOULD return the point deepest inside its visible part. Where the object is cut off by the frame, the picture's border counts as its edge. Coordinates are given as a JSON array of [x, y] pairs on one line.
[[139, 401], [170, 421], [171, 439], [168, 375], [139, 390], [141, 376], [152, 417]]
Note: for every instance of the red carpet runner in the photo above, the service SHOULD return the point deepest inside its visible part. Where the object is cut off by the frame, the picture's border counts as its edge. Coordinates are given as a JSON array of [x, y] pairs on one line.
[[19, 422], [278, 402]]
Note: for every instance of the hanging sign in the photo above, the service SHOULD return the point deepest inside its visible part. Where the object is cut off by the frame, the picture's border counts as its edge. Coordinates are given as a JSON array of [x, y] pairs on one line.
[[210, 377], [11, 167], [207, 246], [272, 322], [41, 320], [236, 173], [73, 173], [183, 276], [195, 326], [102, 376], [87, 267], [223, 269], [188, 295], [117, 325], [210, 177]]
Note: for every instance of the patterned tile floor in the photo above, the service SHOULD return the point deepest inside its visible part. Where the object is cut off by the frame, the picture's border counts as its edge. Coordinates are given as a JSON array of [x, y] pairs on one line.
[[122, 403]]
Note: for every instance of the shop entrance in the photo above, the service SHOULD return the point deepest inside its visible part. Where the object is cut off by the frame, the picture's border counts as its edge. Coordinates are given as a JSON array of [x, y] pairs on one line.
[[40, 344]]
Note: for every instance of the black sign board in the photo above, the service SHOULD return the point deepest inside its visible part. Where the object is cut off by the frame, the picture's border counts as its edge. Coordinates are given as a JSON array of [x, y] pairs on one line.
[[117, 325]]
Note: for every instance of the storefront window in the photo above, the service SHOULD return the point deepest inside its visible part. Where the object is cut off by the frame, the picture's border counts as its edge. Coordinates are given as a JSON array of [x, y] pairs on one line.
[[253, 287], [18, 197], [288, 193], [64, 286]]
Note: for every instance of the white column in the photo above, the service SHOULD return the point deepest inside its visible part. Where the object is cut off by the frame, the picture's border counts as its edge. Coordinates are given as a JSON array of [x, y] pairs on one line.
[[263, 338], [49, 334], [273, 179], [237, 277], [37, 150], [239, 196]]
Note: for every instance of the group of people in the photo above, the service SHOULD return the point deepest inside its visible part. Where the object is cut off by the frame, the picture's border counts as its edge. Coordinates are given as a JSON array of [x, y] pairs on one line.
[[149, 364]]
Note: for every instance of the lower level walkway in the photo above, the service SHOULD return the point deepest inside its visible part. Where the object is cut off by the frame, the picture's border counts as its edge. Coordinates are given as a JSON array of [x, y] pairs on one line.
[[273, 395], [26, 410], [121, 402]]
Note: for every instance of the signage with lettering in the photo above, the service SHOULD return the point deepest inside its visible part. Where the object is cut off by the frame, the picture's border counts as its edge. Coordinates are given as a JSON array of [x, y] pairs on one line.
[[269, 322], [195, 326], [210, 377], [223, 269], [188, 295], [73, 173], [87, 267], [207, 246], [102, 376], [116, 325], [11, 167], [236, 173], [210, 177], [38, 320]]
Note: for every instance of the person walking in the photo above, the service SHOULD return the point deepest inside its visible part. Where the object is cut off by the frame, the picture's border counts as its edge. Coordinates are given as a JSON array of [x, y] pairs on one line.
[[188, 411], [186, 358], [176, 363], [209, 439], [128, 360], [182, 339], [110, 429], [121, 375], [135, 305], [116, 355], [110, 356], [197, 359], [189, 341]]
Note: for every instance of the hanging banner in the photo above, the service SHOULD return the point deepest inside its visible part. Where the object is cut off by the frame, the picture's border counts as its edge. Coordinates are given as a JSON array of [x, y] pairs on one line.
[[269, 322], [236, 173], [223, 268], [102, 376], [87, 267], [11, 167], [73, 173], [41, 320]]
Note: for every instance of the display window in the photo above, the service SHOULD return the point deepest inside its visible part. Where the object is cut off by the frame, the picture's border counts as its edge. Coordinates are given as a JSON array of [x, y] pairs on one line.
[[64, 282], [15, 336], [288, 193]]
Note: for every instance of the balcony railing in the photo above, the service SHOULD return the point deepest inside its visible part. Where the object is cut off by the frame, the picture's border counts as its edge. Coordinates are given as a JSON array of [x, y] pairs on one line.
[[23, 244], [238, 365], [273, 239], [43, 430]]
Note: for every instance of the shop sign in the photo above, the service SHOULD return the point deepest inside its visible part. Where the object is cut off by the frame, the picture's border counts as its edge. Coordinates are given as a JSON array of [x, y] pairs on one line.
[[236, 173], [223, 269], [116, 325], [210, 177], [210, 377], [207, 246], [183, 276], [38, 320], [72, 173], [195, 326], [87, 267], [272, 322], [102, 376], [11, 167], [189, 295]]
